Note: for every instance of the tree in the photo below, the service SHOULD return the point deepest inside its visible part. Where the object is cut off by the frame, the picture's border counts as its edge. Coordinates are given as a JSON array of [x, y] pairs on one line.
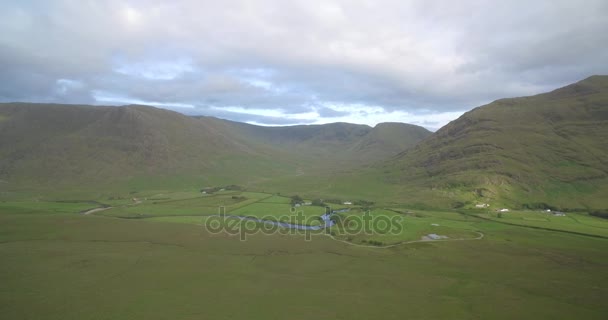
[[296, 200], [317, 202]]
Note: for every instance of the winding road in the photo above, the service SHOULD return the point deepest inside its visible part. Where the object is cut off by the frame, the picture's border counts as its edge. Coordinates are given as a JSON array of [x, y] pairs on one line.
[[95, 210]]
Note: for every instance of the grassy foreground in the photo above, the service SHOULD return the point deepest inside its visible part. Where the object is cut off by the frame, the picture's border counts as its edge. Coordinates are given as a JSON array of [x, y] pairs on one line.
[[58, 264]]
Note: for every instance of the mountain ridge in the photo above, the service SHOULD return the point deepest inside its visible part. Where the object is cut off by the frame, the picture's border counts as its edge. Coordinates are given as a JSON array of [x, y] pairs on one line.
[[519, 151], [549, 149], [63, 145]]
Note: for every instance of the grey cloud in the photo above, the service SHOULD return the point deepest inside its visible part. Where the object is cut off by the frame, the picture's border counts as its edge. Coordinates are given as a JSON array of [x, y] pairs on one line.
[[299, 56], [331, 113]]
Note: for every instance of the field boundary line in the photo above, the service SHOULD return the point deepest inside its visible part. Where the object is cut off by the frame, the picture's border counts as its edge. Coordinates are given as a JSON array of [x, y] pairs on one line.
[[543, 228], [481, 236]]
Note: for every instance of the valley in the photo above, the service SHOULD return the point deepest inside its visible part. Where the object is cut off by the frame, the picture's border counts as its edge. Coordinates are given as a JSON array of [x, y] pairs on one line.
[[166, 264], [272, 159], [154, 214]]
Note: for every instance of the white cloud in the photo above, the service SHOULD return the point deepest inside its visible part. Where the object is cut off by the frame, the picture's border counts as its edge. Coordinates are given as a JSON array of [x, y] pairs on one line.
[[154, 69], [372, 115], [111, 98], [289, 58]]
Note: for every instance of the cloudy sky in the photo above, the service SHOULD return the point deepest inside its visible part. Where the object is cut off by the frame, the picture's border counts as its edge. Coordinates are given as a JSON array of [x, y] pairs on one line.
[[298, 62]]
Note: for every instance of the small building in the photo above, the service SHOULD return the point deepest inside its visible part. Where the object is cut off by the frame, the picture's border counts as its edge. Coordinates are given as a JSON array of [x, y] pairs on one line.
[[482, 205], [307, 203], [347, 203], [503, 210], [559, 214]]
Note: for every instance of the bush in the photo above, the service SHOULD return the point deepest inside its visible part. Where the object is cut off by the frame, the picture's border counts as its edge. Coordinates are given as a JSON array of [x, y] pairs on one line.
[[363, 203], [458, 205], [232, 187], [539, 205], [318, 203], [600, 213], [296, 200]]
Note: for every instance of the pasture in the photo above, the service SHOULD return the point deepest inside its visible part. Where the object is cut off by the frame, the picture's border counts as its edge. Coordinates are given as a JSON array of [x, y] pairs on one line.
[[575, 222], [59, 264]]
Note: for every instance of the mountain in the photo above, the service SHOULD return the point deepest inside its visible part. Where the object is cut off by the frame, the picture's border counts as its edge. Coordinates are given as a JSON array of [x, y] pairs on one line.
[[549, 149], [336, 143], [63, 145], [385, 138], [77, 146]]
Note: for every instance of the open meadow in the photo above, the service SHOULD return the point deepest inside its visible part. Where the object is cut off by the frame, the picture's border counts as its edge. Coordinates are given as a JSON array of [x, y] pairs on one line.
[[154, 259], [418, 160]]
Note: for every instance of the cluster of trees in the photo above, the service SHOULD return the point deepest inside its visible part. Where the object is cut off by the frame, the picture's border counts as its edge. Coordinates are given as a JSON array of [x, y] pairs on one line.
[[318, 202], [459, 204], [363, 203], [296, 200], [600, 213], [323, 202], [374, 242], [540, 205], [232, 187]]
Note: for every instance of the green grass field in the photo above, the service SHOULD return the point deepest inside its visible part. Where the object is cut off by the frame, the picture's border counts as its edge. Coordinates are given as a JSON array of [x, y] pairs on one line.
[[386, 227], [59, 264], [279, 211], [571, 222], [25, 207]]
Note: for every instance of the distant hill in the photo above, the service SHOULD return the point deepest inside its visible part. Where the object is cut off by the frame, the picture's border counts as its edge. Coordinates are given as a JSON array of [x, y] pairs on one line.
[[71, 146], [341, 143], [65, 145], [549, 149], [385, 138]]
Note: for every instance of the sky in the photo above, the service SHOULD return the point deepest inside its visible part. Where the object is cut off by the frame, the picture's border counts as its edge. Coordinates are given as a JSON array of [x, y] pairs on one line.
[[299, 62]]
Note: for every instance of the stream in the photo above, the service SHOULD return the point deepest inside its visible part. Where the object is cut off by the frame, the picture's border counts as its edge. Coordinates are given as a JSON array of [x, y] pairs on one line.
[[326, 221]]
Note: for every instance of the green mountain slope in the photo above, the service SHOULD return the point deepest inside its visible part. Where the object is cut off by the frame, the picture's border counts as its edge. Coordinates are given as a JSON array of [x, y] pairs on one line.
[[385, 138], [68, 146], [550, 148], [336, 144]]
